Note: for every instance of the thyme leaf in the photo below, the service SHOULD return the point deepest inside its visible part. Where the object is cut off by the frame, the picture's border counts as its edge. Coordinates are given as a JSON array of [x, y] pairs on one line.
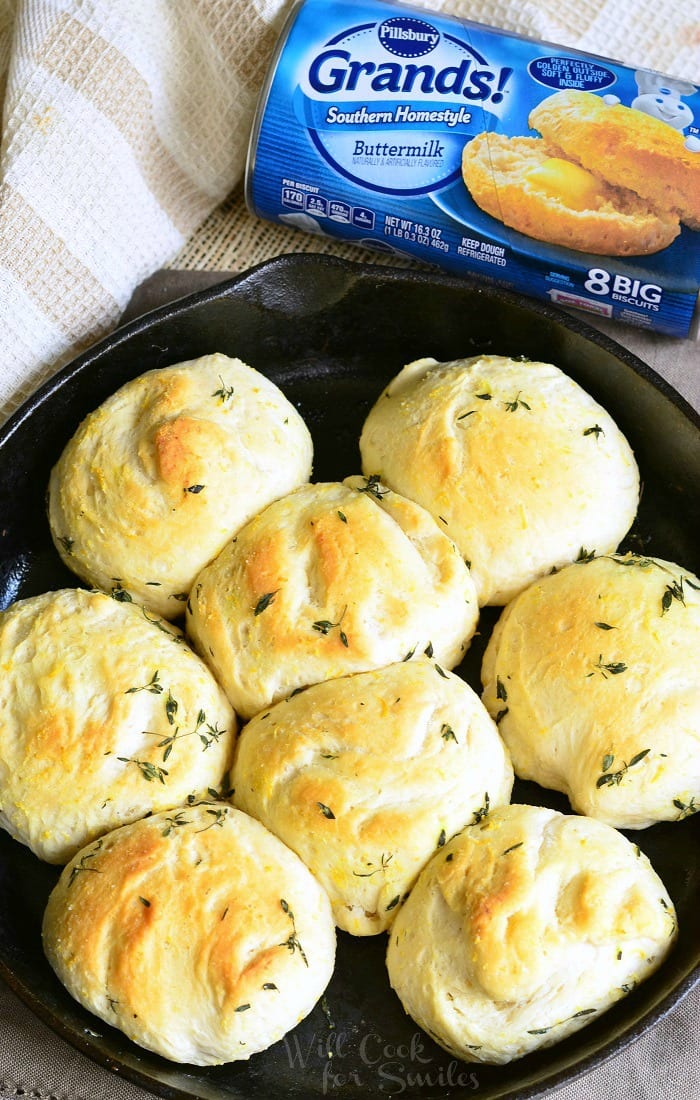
[[670, 913], [632, 561], [595, 430], [608, 668], [637, 757], [219, 814], [119, 593], [686, 808], [224, 393], [177, 638], [675, 592], [544, 1030], [264, 602], [194, 489], [385, 860], [207, 732], [483, 811], [67, 543], [82, 865], [447, 733], [171, 706], [175, 822], [149, 771], [292, 942], [324, 626], [517, 403], [613, 779], [326, 811], [153, 686], [372, 486]]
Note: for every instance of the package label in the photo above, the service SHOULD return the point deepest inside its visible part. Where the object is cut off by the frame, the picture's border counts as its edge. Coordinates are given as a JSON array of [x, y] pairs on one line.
[[485, 153]]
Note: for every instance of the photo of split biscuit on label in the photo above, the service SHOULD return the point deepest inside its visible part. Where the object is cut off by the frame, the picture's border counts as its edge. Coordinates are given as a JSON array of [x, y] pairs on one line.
[[602, 177]]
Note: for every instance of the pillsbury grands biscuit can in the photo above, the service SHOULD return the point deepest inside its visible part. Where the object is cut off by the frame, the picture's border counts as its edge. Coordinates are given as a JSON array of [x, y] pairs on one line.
[[559, 174]]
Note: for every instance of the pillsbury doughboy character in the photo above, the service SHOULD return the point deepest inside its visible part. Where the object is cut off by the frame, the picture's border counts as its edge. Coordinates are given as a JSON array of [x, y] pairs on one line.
[[660, 97]]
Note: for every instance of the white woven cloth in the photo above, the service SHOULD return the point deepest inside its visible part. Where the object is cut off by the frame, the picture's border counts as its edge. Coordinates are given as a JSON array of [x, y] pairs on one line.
[[126, 122]]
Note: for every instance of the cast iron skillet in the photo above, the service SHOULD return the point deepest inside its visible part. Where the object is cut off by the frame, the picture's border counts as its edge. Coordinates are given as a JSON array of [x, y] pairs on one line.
[[331, 334]]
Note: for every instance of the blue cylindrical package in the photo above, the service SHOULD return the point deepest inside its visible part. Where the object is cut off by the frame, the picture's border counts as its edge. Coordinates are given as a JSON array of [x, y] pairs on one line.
[[556, 173]]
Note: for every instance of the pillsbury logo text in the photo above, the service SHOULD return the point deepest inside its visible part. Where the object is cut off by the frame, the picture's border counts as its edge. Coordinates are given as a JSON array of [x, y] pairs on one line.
[[406, 37]]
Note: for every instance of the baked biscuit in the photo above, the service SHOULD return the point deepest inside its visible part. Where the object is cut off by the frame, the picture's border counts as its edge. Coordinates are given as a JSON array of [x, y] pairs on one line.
[[519, 182], [333, 579], [365, 776], [105, 715], [593, 676], [625, 147], [521, 466], [195, 932], [524, 929], [159, 477]]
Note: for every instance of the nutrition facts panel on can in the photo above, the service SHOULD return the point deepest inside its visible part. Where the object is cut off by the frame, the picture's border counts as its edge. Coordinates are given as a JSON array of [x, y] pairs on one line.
[[309, 199]]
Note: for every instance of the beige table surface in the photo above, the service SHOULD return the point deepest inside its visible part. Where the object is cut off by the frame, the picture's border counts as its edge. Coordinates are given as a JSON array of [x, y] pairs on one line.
[[665, 1063]]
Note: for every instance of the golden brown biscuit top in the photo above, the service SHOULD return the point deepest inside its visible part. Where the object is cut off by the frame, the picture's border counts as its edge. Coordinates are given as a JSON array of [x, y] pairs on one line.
[[159, 477], [519, 464], [162, 888], [105, 715], [332, 579], [530, 885], [594, 673], [195, 931], [365, 776]]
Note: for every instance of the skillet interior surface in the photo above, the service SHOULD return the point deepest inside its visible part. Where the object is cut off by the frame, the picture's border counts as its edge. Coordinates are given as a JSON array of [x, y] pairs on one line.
[[331, 334]]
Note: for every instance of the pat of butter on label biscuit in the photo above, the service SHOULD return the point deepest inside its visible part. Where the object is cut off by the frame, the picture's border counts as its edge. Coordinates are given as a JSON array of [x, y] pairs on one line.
[[571, 184]]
